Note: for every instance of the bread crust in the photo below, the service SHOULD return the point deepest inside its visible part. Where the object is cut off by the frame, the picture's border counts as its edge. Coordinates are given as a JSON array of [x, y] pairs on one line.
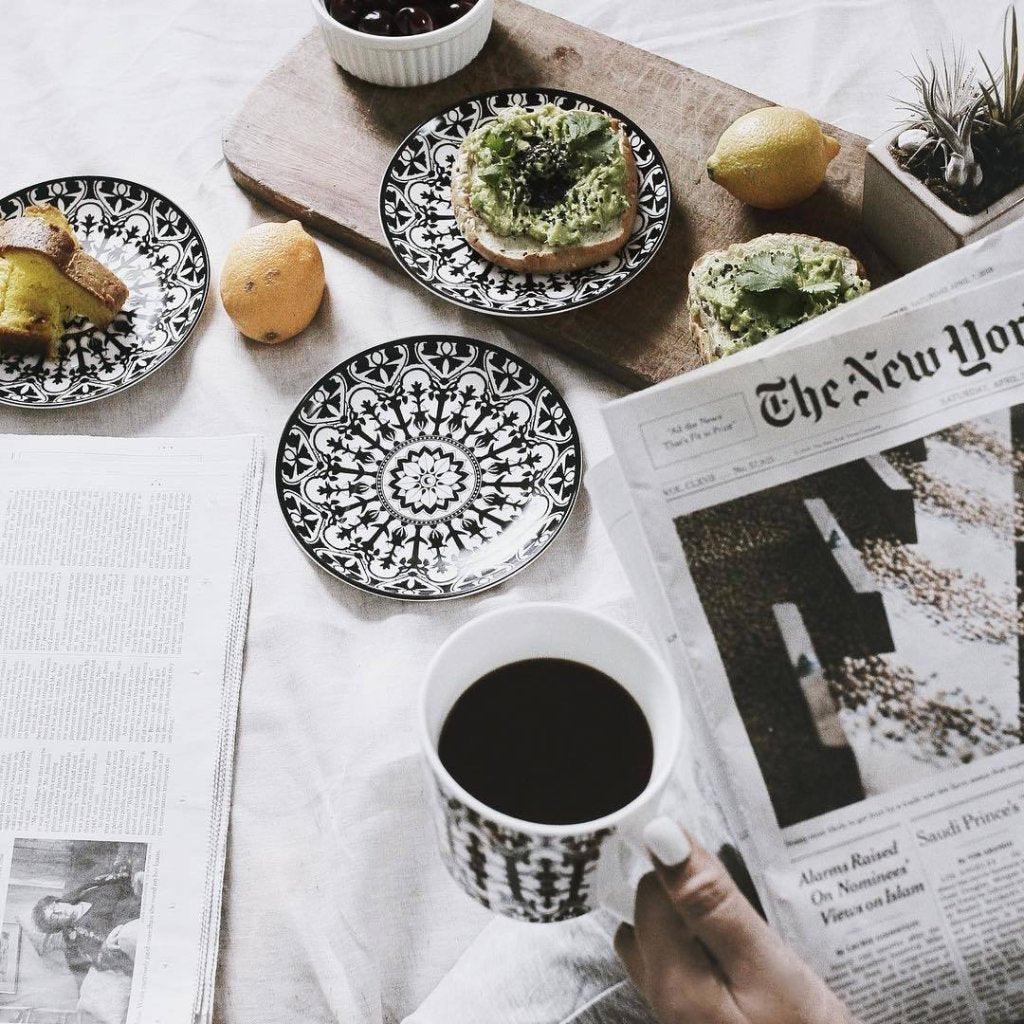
[[707, 333], [109, 291], [526, 254]]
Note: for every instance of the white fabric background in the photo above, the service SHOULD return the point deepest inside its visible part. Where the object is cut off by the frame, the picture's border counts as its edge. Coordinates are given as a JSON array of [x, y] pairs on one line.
[[337, 906]]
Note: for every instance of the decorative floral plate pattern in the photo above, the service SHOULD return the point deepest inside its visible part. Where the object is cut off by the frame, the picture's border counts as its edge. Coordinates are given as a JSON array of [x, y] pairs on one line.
[[419, 223], [156, 250], [430, 467]]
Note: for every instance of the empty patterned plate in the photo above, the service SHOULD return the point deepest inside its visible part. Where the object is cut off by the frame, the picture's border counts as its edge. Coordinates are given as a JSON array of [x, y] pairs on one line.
[[158, 253], [419, 223], [430, 467]]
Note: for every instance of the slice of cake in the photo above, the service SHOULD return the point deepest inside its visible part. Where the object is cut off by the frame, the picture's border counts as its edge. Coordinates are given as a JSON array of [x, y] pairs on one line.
[[31, 318], [46, 279]]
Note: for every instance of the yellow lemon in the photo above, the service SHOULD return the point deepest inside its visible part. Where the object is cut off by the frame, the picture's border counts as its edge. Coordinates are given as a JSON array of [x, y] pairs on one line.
[[772, 158], [273, 281]]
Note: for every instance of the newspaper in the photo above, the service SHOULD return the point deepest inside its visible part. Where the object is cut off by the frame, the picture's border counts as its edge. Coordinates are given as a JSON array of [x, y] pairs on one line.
[[833, 550], [125, 570]]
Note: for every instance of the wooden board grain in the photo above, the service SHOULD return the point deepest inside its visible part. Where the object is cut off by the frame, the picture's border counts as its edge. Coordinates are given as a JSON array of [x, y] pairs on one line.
[[314, 142]]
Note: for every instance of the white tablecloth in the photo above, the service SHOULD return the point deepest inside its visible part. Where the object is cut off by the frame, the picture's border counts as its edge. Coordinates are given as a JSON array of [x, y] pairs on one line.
[[337, 906]]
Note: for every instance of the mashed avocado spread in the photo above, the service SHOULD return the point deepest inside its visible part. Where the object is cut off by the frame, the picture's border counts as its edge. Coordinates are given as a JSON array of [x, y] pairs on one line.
[[768, 292], [553, 175]]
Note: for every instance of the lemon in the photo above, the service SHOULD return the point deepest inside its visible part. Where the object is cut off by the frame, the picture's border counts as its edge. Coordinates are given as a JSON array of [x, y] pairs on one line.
[[272, 281], [772, 158]]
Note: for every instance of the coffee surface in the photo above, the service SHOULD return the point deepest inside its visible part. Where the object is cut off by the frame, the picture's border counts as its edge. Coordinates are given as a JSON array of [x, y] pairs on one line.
[[548, 741]]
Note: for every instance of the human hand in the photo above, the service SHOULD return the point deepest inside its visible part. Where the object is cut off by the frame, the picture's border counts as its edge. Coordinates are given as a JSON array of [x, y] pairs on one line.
[[701, 954]]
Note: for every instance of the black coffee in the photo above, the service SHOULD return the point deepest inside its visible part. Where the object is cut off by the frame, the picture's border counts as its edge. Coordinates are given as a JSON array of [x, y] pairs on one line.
[[548, 741]]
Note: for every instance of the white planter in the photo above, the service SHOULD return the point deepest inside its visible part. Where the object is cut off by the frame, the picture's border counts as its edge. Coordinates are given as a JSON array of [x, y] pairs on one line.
[[910, 224]]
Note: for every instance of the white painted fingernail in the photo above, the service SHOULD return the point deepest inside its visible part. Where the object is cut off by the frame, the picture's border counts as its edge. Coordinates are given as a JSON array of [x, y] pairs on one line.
[[666, 841]]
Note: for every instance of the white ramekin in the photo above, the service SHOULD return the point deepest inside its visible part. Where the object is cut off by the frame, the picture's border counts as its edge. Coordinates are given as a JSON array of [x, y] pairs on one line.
[[407, 60]]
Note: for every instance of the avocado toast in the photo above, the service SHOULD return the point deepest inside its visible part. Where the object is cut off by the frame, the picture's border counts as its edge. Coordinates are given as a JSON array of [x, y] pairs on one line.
[[753, 290], [546, 190]]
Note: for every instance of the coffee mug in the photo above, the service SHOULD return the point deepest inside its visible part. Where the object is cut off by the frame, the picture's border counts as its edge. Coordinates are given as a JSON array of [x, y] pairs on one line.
[[521, 869]]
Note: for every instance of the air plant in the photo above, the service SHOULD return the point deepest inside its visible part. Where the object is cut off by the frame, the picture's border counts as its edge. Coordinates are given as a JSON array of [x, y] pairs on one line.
[[1004, 96], [963, 130], [943, 117]]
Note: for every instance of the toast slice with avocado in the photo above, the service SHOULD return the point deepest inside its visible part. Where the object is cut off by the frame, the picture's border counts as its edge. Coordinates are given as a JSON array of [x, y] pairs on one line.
[[753, 290], [46, 279], [547, 190]]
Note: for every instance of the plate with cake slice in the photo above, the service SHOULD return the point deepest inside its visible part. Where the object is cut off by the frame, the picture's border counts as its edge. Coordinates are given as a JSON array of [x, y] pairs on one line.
[[102, 281]]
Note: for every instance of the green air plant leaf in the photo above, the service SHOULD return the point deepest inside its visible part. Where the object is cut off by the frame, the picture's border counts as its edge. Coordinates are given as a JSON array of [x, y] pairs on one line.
[[1004, 98], [948, 108]]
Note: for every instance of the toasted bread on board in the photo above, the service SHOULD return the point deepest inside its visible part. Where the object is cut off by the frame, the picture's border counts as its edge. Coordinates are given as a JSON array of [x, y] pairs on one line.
[[711, 336]]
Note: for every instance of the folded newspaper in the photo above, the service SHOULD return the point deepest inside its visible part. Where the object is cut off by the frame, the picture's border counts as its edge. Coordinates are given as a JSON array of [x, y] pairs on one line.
[[832, 532], [125, 570]]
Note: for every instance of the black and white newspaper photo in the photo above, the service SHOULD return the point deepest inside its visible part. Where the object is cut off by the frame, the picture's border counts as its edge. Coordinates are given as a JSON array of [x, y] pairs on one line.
[[72, 919], [902, 567]]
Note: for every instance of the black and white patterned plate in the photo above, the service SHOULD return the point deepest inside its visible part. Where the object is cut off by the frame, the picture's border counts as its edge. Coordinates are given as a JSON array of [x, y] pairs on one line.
[[419, 223], [427, 468], [156, 250]]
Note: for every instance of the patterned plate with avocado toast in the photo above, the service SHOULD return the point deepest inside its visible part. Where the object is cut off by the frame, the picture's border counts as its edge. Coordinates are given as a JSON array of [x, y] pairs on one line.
[[156, 250], [419, 222], [428, 468]]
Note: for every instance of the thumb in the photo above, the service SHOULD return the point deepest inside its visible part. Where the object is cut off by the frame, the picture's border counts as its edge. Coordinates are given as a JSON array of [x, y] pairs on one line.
[[707, 899]]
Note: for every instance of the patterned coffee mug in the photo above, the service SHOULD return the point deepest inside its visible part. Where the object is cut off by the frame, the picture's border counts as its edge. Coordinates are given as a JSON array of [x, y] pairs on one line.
[[532, 872]]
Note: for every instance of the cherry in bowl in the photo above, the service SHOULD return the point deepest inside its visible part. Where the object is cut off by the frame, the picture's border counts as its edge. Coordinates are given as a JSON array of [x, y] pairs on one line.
[[398, 17]]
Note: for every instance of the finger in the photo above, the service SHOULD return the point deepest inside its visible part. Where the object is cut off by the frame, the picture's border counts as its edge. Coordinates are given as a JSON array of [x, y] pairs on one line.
[[664, 941], [680, 974], [707, 900], [628, 949]]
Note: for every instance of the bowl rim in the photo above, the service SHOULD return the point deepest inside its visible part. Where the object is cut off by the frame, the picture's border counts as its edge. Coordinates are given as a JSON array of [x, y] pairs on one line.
[[417, 42]]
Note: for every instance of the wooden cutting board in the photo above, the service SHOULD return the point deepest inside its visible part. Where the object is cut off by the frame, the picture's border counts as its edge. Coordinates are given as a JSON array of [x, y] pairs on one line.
[[314, 142]]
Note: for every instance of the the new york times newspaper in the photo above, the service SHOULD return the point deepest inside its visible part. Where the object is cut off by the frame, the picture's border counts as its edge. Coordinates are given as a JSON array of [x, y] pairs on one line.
[[836, 529]]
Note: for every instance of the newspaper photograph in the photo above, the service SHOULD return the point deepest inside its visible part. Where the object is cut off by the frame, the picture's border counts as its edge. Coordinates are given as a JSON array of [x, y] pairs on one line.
[[902, 567], [836, 528], [72, 918]]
